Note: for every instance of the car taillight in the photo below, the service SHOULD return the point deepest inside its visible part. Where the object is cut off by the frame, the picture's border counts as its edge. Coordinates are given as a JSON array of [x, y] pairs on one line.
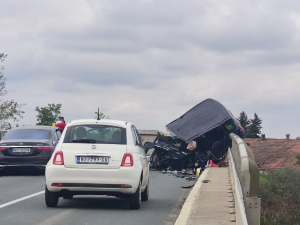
[[127, 160], [45, 148], [240, 127], [57, 184], [125, 186], [3, 148], [58, 158]]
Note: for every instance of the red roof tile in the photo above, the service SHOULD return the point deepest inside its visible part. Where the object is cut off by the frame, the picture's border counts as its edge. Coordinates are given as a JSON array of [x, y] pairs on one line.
[[274, 153]]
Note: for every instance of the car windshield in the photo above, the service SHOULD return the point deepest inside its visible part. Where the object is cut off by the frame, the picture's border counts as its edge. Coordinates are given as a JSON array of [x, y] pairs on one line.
[[27, 134], [95, 134]]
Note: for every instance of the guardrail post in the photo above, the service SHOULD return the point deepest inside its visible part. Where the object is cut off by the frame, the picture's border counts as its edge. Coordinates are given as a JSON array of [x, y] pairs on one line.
[[252, 208], [248, 176]]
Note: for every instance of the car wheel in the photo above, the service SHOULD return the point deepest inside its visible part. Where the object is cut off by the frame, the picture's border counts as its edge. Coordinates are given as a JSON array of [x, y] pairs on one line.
[[145, 193], [51, 198], [135, 199]]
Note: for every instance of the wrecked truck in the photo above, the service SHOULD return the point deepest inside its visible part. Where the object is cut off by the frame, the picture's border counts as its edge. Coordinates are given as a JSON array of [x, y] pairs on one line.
[[199, 135]]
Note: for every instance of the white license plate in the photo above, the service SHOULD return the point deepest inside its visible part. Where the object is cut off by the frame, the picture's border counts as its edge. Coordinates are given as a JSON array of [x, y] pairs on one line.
[[92, 159], [26, 150]]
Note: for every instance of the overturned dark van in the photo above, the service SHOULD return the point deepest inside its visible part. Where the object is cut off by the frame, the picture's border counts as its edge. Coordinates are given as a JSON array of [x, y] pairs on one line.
[[206, 127]]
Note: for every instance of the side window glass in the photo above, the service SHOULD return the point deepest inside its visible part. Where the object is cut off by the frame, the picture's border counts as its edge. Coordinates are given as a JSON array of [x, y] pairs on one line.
[[230, 126], [138, 137], [134, 136]]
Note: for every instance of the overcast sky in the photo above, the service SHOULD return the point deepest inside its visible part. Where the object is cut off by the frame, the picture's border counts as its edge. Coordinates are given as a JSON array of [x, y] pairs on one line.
[[149, 61]]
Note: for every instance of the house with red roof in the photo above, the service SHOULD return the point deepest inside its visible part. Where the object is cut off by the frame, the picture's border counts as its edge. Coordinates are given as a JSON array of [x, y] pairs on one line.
[[270, 153]]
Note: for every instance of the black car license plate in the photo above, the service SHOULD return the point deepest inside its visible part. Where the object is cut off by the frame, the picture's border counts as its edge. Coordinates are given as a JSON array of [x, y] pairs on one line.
[[21, 150]]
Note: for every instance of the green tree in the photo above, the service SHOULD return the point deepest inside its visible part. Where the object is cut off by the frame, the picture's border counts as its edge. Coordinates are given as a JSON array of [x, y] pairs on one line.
[[254, 127], [9, 109], [48, 115], [101, 115], [243, 120]]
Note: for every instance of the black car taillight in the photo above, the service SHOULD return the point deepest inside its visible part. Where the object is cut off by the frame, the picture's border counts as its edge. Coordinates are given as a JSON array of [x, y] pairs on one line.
[[45, 148], [3, 148]]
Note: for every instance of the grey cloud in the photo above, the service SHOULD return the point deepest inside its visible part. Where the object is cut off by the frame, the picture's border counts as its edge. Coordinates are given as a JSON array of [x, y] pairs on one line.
[[134, 28], [159, 57], [277, 58]]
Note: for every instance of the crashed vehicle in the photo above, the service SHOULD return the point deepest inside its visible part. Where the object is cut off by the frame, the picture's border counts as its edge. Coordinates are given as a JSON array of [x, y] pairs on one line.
[[205, 127]]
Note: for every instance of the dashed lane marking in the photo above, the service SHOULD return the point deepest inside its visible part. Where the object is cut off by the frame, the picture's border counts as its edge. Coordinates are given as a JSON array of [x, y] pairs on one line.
[[21, 199]]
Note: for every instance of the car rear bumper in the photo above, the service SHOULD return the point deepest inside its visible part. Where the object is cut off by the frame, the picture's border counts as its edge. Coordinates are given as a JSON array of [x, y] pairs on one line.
[[23, 165], [24, 162], [92, 180], [39, 160]]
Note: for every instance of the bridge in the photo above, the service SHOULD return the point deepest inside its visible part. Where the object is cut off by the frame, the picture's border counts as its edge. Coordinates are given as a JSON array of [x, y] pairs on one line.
[[226, 195]]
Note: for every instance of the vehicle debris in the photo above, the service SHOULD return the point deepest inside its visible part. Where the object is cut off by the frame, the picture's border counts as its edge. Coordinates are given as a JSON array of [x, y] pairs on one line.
[[188, 186], [197, 139]]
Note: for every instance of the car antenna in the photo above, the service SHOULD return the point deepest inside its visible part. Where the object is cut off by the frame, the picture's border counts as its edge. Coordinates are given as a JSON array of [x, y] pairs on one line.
[[98, 115]]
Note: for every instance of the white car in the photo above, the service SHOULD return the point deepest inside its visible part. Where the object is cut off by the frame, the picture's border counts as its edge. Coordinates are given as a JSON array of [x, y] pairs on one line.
[[98, 157]]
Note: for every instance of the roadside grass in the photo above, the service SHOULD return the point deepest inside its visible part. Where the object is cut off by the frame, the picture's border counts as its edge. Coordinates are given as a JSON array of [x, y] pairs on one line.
[[279, 191], [263, 178]]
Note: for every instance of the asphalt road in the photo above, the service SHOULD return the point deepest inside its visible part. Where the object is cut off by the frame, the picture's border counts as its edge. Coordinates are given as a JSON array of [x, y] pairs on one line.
[[22, 202]]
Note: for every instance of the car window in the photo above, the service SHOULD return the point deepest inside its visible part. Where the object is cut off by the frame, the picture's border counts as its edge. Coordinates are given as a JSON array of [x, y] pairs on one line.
[[95, 134], [27, 134], [136, 138], [139, 138], [230, 125], [135, 141]]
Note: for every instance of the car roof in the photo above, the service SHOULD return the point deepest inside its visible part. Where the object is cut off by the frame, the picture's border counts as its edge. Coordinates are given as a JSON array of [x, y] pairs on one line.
[[202, 118], [119, 123], [34, 127]]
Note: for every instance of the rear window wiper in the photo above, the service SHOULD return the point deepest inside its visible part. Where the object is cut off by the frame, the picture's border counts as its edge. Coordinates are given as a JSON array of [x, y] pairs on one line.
[[85, 141]]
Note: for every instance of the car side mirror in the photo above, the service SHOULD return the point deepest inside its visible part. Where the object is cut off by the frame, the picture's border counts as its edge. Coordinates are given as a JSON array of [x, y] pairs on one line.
[[148, 158], [149, 145]]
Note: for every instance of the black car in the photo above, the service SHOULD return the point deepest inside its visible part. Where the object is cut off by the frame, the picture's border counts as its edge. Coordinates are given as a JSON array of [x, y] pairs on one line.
[[28, 146], [208, 124]]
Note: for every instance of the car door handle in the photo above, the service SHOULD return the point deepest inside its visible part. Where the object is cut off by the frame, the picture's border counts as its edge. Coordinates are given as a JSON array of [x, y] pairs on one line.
[[144, 157]]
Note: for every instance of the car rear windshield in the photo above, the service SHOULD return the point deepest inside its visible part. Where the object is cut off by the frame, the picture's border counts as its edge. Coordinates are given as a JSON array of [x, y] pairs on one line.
[[95, 134], [27, 134]]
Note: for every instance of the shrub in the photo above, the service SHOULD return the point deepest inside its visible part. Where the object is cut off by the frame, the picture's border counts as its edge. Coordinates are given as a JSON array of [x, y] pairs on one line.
[[280, 197]]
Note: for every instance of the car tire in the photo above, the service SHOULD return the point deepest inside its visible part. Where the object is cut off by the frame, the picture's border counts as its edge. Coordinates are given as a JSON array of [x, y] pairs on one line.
[[135, 199], [51, 198], [145, 193]]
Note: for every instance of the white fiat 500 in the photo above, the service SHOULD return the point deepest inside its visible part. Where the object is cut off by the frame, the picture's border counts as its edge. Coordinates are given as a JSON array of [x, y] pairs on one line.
[[98, 157]]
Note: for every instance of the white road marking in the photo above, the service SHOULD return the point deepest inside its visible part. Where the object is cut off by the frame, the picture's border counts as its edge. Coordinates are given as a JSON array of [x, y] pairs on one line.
[[60, 218], [21, 199]]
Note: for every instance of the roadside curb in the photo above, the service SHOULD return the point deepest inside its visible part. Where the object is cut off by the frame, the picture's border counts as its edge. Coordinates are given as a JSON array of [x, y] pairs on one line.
[[189, 202]]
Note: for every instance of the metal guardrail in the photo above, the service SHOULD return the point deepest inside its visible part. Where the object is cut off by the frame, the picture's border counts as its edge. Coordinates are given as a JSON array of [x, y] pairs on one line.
[[244, 175]]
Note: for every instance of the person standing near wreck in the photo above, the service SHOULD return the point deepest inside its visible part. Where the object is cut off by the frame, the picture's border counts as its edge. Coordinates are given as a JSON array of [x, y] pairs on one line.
[[194, 146], [61, 124]]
